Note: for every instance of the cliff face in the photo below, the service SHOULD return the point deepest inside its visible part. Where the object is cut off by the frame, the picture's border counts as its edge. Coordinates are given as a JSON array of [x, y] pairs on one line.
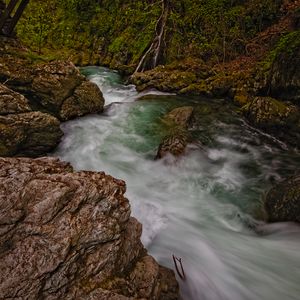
[[69, 235]]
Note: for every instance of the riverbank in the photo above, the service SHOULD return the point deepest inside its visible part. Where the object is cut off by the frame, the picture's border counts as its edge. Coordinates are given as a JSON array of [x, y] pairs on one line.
[[204, 206], [65, 234]]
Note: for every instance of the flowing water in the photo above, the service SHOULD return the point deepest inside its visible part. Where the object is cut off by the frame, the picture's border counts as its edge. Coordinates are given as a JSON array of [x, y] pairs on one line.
[[201, 208]]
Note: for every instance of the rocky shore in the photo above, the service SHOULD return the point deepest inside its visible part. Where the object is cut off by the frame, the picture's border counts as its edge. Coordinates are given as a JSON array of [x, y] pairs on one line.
[[64, 234], [69, 235]]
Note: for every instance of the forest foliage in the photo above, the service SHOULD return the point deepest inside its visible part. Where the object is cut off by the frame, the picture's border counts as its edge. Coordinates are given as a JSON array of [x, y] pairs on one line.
[[121, 30]]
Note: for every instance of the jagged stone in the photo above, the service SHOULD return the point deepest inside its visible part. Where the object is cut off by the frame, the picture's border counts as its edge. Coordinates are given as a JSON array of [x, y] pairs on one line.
[[86, 98], [174, 144], [69, 235]]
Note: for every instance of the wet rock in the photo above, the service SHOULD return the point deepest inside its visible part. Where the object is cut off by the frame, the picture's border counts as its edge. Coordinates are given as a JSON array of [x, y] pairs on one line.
[[62, 91], [275, 117], [174, 144], [164, 78], [69, 235], [180, 116], [282, 202]]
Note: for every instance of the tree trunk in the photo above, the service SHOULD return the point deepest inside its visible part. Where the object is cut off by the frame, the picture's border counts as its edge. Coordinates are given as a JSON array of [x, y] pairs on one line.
[[6, 14], [8, 23], [17, 16]]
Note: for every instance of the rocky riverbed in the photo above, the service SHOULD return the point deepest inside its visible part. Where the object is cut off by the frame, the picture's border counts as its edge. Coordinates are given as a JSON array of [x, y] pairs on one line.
[[64, 234], [67, 234]]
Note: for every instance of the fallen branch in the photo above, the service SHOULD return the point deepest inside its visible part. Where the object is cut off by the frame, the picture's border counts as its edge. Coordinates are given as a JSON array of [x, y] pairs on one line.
[[180, 272]]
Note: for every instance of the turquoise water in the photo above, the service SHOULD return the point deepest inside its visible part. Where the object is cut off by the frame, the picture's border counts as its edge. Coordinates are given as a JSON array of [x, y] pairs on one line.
[[202, 208]]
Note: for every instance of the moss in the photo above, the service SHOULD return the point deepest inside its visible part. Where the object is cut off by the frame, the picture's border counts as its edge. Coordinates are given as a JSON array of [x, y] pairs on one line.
[[287, 44]]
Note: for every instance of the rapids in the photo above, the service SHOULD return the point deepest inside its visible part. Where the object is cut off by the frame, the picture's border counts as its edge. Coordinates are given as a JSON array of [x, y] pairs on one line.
[[203, 208]]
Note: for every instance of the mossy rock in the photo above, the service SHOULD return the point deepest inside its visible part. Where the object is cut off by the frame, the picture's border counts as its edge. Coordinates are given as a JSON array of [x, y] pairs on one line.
[[180, 116], [268, 112], [201, 88], [242, 98], [275, 117], [282, 203], [175, 143]]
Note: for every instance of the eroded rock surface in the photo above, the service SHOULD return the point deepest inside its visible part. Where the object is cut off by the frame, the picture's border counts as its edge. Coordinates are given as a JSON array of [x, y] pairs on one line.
[[69, 235], [22, 131], [283, 201]]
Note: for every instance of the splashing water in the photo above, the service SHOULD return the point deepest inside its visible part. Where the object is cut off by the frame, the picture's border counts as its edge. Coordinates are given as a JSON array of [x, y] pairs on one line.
[[200, 208]]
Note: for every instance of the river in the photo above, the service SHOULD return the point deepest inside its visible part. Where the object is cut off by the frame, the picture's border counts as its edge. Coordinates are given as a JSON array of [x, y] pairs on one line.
[[203, 207]]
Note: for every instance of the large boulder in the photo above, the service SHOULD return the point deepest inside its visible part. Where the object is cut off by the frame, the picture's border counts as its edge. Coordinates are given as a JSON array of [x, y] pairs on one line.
[[275, 117], [69, 235], [58, 88], [282, 202], [55, 87], [22, 131]]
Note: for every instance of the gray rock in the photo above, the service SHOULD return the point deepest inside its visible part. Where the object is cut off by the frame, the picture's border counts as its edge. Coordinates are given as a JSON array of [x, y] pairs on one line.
[[69, 235]]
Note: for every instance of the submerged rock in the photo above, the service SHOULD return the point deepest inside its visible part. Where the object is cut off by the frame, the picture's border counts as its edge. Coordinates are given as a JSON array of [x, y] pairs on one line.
[[69, 235], [283, 201], [179, 140], [22, 131], [174, 144], [275, 117], [180, 116]]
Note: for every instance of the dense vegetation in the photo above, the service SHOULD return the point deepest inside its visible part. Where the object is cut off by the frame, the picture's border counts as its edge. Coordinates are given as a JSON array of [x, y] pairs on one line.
[[118, 32]]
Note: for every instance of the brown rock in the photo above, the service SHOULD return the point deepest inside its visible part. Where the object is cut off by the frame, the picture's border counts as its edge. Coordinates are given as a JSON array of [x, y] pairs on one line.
[[28, 134], [54, 82], [69, 235], [12, 102], [87, 98], [174, 144], [48, 86], [180, 116]]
